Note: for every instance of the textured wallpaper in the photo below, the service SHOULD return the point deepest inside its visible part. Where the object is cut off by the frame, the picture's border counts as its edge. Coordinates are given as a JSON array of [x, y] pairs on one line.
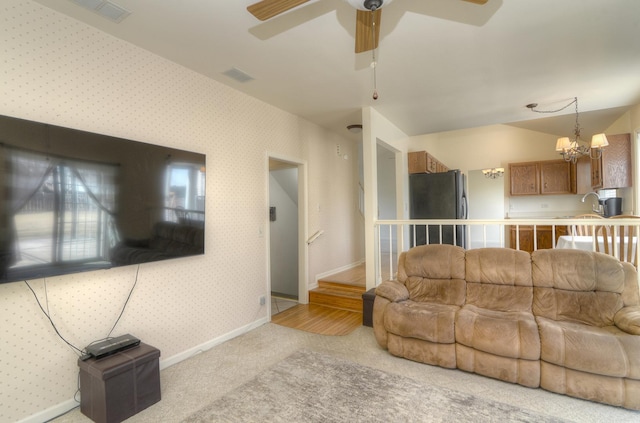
[[56, 70]]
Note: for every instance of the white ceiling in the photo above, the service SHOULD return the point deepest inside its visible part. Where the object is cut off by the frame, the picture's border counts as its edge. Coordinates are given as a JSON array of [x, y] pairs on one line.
[[442, 64]]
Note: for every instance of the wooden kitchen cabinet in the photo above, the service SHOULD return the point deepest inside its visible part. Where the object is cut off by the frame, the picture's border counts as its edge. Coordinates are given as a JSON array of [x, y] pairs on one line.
[[583, 175], [556, 177], [418, 162], [524, 178], [613, 169], [550, 177], [544, 236], [423, 162]]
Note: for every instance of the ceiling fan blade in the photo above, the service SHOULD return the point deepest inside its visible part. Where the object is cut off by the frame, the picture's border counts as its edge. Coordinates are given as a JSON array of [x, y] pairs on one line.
[[477, 1], [364, 28], [267, 9]]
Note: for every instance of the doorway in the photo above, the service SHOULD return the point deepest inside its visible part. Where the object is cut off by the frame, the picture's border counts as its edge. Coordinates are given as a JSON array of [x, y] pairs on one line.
[[287, 255], [486, 202]]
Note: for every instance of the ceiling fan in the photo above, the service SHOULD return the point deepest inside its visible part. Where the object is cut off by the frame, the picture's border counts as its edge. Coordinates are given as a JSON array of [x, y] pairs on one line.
[[367, 18]]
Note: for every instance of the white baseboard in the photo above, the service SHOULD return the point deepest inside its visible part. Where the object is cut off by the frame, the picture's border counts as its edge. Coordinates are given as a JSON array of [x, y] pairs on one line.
[[52, 412], [66, 406], [198, 349], [334, 271]]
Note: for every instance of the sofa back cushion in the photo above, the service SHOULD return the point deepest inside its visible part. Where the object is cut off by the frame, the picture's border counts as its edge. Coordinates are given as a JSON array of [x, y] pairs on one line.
[[434, 273], [499, 279], [578, 286]]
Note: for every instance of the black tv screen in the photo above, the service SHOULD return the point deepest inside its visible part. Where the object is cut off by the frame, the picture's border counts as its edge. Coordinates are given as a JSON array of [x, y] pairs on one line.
[[74, 201]]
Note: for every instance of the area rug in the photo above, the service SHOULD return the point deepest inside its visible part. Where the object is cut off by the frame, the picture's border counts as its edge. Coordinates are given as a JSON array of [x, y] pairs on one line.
[[313, 387]]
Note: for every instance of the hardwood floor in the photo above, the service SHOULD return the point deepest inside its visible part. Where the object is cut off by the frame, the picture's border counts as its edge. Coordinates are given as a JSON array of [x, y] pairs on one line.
[[355, 276], [335, 307], [319, 319]]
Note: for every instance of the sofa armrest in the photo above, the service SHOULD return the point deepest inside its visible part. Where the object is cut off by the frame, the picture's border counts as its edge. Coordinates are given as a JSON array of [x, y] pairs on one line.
[[393, 291], [628, 319]]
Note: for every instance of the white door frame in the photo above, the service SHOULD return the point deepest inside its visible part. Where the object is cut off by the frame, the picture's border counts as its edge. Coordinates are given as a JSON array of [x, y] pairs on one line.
[[303, 250]]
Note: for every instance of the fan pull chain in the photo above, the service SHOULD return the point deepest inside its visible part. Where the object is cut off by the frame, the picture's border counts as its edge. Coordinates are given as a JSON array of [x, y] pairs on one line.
[[373, 52]]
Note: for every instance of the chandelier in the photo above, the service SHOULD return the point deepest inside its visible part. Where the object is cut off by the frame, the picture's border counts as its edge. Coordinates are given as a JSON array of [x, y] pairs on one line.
[[493, 173], [572, 148]]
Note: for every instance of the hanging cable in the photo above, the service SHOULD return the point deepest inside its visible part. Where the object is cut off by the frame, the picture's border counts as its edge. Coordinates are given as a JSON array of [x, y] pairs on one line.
[[135, 282], [373, 52], [533, 106], [48, 316]]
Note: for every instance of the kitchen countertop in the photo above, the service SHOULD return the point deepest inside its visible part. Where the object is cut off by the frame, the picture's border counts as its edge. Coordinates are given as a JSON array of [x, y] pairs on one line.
[[551, 215]]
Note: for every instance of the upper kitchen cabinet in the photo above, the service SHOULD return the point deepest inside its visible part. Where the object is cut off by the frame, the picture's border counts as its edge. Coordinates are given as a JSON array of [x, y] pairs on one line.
[[556, 177], [423, 162], [583, 175], [524, 178], [550, 177], [613, 168]]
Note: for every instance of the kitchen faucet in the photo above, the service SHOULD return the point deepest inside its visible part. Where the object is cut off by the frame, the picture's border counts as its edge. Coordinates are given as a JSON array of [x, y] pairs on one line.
[[599, 208]]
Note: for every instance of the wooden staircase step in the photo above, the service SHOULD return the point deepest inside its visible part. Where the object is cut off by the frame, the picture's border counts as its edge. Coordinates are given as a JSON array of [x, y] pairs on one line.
[[337, 296], [341, 286], [353, 276]]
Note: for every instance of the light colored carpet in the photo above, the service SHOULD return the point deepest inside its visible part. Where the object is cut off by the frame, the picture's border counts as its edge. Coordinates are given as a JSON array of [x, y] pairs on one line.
[[310, 387], [189, 386]]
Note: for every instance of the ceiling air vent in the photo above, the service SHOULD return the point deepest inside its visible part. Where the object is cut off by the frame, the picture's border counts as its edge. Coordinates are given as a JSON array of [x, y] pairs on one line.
[[106, 9], [238, 75]]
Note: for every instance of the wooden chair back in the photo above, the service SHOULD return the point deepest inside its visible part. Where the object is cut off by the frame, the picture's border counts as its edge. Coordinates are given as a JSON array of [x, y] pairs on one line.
[[585, 230], [589, 229]]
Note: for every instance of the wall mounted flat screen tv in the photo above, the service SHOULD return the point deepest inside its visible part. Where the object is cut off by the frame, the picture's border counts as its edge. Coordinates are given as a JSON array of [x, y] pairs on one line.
[[74, 201]]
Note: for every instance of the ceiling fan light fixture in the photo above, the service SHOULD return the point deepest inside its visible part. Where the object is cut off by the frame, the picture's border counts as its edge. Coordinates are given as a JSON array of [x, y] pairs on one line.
[[368, 4]]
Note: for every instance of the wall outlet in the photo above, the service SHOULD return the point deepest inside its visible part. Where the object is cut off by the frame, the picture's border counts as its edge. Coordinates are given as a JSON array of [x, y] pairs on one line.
[[263, 300], [544, 206]]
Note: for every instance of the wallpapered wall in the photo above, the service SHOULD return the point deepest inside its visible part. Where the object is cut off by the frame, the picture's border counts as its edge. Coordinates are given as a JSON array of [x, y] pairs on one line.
[[56, 70]]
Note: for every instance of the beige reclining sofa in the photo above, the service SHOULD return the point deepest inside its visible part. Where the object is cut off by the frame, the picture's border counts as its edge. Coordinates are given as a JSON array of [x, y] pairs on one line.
[[567, 321]]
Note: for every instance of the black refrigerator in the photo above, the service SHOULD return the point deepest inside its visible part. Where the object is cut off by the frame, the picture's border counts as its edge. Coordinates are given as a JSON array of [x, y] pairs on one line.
[[438, 196]]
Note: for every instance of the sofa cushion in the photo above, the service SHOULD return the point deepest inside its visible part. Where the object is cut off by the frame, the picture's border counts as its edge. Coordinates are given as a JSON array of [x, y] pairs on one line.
[[514, 370], [499, 279], [593, 308], [392, 291], [497, 316], [577, 286], [427, 321], [577, 270], [628, 319], [591, 386], [600, 350], [630, 294], [508, 334], [443, 355], [434, 273]]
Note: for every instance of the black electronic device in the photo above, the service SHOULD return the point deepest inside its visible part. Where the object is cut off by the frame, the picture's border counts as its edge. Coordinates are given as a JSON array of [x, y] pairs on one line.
[[72, 201], [112, 345]]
